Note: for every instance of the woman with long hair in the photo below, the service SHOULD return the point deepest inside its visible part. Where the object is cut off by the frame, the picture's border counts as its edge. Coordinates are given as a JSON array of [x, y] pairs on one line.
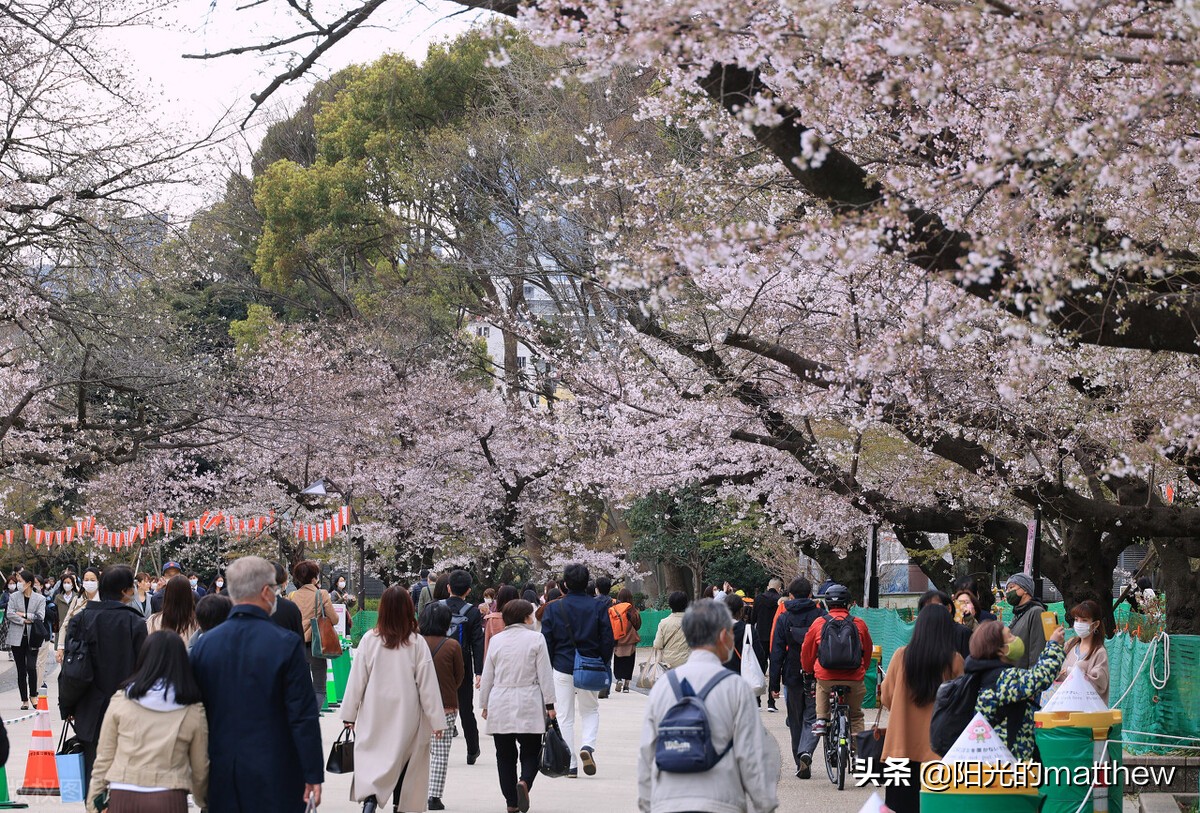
[[493, 622], [1086, 650], [27, 614], [89, 584], [394, 706], [625, 652], [908, 691], [308, 597], [178, 612], [153, 745], [516, 693]]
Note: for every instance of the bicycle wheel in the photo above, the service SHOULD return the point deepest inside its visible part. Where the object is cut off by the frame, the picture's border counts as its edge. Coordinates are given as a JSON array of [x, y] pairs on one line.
[[831, 755], [843, 765]]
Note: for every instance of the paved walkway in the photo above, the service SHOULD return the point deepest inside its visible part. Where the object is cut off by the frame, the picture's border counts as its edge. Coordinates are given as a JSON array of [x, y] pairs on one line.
[[474, 788]]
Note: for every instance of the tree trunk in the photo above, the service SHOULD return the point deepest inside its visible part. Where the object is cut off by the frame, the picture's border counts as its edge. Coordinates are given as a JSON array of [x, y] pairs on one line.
[[1088, 561], [1180, 578], [848, 570]]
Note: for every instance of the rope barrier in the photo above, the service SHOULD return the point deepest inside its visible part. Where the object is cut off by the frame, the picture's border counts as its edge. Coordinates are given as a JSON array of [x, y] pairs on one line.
[[1155, 681], [1164, 736], [1149, 657], [19, 719]]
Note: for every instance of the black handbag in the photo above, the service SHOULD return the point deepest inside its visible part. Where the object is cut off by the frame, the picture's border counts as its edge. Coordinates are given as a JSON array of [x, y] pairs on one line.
[[869, 744], [556, 756], [341, 755]]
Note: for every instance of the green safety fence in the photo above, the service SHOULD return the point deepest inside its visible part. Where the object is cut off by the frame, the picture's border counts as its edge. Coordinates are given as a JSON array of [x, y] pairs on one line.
[[650, 621], [364, 620], [1169, 715]]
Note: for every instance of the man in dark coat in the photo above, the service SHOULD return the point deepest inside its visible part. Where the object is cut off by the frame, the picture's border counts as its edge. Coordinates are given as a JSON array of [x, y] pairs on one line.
[[765, 605], [469, 635], [264, 733], [800, 611], [114, 631], [287, 614]]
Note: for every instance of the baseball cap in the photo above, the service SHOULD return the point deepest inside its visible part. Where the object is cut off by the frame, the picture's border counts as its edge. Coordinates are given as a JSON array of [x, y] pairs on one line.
[[170, 565]]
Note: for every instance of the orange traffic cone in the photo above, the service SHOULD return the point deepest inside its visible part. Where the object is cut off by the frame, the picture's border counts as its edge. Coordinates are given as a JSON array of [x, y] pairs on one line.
[[41, 777]]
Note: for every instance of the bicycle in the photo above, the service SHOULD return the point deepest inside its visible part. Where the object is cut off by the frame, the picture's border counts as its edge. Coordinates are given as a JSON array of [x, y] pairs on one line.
[[837, 737]]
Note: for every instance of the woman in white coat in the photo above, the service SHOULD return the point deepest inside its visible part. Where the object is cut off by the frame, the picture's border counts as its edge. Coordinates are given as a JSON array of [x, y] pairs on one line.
[[516, 693], [394, 707]]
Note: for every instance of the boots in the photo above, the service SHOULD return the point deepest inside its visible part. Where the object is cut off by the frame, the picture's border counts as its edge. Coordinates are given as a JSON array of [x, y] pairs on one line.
[[370, 805]]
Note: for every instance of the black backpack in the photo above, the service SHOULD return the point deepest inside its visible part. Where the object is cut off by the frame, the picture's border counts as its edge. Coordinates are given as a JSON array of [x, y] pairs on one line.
[[954, 708], [840, 648], [458, 620]]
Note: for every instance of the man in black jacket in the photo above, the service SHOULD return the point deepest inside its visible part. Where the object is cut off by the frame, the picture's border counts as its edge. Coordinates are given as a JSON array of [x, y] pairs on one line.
[[765, 605], [287, 614], [466, 627], [113, 632], [799, 613]]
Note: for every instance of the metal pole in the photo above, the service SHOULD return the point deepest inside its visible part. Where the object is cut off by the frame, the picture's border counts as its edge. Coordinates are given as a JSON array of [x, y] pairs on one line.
[[1037, 554], [873, 568]]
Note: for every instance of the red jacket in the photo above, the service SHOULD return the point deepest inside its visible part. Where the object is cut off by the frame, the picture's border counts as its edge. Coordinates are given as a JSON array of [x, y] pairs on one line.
[[808, 653]]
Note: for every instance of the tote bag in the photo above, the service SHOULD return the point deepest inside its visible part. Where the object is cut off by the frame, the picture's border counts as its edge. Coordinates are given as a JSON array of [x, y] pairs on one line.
[[325, 641], [649, 672], [752, 673]]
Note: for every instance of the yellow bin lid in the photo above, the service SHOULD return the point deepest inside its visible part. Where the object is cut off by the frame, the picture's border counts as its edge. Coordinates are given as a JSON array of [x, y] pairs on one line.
[[1100, 722], [877, 652]]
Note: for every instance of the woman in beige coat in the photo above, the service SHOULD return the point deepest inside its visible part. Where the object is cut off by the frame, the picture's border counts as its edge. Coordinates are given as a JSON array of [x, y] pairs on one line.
[[516, 693], [394, 706], [307, 598]]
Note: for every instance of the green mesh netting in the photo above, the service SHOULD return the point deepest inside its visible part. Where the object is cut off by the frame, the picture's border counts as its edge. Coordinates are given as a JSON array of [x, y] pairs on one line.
[[650, 621], [363, 621], [1151, 715]]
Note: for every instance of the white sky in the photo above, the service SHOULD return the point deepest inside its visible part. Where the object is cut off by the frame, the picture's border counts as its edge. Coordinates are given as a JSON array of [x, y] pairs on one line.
[[194, 94]]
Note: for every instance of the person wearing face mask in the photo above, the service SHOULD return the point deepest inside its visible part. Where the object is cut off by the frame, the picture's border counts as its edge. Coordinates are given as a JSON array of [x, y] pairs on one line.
[[218, 586], [287, 614], [1008, 694], [309, 597], [394, 707], [1086, 650], [747, 777], [339, 594], [90, 592], [516, 694], [264, 730], [64, 596], [1027, 618], [198, 592], [26, 613], [114, 631]]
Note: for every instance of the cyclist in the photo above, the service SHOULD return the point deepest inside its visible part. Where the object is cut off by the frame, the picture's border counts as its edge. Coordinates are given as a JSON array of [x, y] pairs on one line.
[[837, 649]]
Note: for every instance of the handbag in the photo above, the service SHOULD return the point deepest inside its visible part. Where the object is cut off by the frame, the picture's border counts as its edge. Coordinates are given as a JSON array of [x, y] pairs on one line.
[[341, 755], [68, 759], [869, 744], [325, 641], [752, 672], [556, 756], [649, 672]]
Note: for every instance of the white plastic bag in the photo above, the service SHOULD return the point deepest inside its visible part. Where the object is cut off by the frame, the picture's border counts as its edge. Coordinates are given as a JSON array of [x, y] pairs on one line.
[[752, 673]]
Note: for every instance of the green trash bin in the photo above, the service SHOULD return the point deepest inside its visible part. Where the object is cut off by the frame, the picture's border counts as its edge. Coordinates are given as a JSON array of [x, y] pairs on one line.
[[1074, 742], [871, 679], [341, 672], [994, 798]]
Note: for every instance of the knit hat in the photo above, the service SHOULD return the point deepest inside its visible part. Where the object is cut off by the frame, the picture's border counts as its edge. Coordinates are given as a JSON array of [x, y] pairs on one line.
[[1020, 580]]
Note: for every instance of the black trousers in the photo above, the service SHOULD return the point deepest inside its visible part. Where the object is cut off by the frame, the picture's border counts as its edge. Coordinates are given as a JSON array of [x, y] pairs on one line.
[[27, 677], [506, 762], [801, 714], [466, 712], [623, 666], [902, 799], [89, 759], [318, 668]]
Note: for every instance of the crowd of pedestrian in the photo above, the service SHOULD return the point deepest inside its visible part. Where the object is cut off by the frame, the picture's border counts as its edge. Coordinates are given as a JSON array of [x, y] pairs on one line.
[[167, 683]]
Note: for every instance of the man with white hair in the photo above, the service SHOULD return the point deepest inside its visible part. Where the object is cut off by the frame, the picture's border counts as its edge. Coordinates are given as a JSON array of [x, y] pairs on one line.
[[264, 733], [744, 776]]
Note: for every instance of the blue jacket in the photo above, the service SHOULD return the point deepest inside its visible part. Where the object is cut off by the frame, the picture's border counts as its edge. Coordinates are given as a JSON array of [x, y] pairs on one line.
[[580, 618], [264, 732]]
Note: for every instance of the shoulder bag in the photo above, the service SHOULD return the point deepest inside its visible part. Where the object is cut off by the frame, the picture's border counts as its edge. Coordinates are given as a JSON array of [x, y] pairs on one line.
[[591, 674], [325, 641], [649, 672], [869, 744]]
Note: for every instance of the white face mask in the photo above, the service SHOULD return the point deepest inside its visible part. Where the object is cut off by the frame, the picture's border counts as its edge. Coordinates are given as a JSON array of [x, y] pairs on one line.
[[193, 582], [341, 585], [68, 588], [90, 586], [220, 583], [12, 588], [1083, 628]]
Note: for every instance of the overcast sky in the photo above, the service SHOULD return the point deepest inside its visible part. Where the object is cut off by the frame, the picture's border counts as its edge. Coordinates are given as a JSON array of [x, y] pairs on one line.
[[196, 93]]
